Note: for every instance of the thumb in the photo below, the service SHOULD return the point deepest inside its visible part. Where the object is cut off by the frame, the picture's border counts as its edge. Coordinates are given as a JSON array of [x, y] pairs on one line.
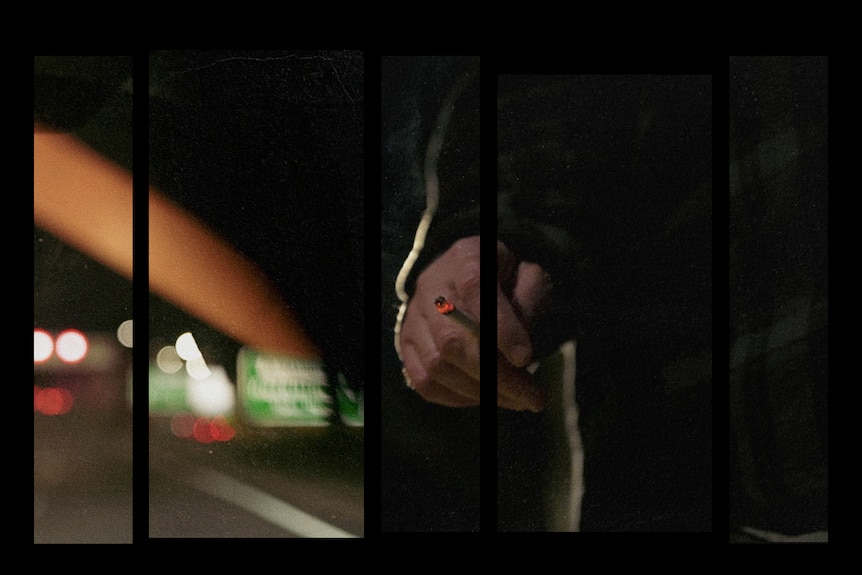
[[513, 341]]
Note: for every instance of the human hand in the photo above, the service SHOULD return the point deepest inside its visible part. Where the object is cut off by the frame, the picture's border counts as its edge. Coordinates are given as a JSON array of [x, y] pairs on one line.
[[523, 290], [441, 357]]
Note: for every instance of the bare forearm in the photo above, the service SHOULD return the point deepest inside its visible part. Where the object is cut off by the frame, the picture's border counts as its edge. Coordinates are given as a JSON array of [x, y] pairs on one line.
[[86, 200]]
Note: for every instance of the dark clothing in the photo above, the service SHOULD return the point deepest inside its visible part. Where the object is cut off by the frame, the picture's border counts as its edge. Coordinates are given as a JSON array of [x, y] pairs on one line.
[[425, 99], [778, 294], [606, 182], [430, 454]]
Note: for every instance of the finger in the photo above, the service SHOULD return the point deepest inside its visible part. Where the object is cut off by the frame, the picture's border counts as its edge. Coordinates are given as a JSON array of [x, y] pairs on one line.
[[506, 263], [423, 383], [428, 368], [504, 402], [457, 346], [531, 292], [449, 376], [518, 388], [451, 357], [467, 288], [513, 341]]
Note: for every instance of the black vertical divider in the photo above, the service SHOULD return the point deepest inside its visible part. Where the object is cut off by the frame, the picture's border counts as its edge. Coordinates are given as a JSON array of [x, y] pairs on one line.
[[374, 357], [140, 301], [721, 295], [488, 347]]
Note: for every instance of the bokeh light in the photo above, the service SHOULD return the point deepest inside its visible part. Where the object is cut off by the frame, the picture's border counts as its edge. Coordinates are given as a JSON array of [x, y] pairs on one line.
[[125, 332], [52, 400], [187, 347], [72, 346], [168, 360], [43, 345]]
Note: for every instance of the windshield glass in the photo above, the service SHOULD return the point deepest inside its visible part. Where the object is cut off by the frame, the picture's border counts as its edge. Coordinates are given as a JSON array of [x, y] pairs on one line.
[[83, 315], [255, 230], [251, 340]]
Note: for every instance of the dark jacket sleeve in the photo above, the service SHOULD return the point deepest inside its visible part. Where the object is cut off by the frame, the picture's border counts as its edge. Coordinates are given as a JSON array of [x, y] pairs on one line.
[[455, 167], [779, 304], [430, 165], [605, 182]]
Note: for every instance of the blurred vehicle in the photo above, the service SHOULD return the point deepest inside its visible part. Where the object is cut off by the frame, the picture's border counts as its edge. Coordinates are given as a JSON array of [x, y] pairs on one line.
[[82, 370]]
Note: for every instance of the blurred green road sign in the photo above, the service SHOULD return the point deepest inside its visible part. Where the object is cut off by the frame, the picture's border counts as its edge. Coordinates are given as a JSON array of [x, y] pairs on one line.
[[275, 390], [167, 392], [351, 403]]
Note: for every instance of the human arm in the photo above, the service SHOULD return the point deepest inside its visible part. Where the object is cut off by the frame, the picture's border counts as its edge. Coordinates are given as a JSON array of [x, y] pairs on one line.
[[86, 200]]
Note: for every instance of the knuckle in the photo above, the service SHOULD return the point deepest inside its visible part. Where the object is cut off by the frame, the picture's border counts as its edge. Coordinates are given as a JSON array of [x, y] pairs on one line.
[[436, 367], [450, 343], [467, 284], [422, 385], [466, 246]]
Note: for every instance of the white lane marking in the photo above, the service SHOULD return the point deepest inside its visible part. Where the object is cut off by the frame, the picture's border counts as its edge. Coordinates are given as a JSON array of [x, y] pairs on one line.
[[264, 505]]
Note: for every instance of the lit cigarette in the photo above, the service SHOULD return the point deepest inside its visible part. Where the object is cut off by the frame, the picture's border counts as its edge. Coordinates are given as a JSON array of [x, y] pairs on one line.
[[448, 309]]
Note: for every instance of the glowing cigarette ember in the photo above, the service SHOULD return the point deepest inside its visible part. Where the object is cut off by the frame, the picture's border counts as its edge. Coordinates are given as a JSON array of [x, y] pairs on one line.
[[448, 309]]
